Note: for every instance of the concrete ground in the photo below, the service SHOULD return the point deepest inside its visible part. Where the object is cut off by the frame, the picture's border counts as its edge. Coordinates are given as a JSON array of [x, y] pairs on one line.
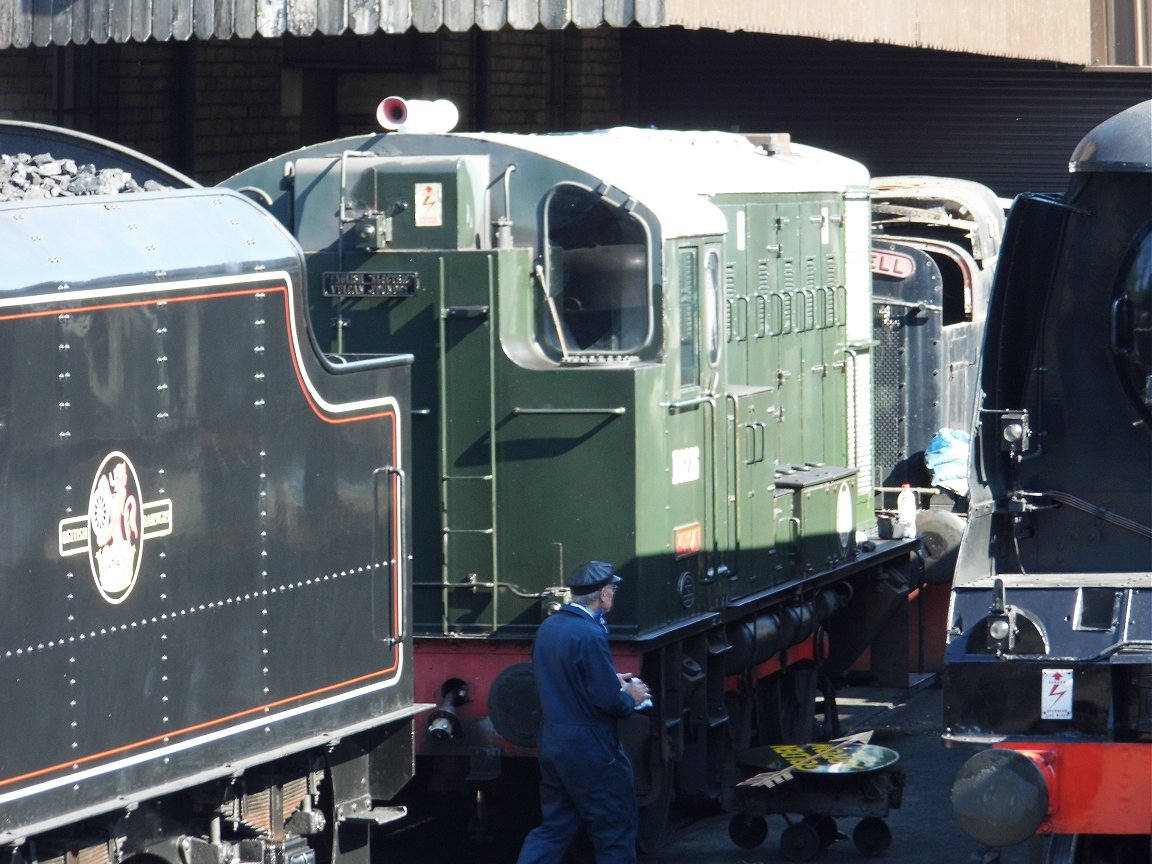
[[923, 830]]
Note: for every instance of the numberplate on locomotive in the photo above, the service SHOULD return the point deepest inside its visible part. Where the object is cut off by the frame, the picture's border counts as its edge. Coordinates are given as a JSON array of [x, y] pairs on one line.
[[370, 284]]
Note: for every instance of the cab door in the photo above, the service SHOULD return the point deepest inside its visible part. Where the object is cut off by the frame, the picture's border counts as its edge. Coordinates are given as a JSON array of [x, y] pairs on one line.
[[751, 427], [698, 436]]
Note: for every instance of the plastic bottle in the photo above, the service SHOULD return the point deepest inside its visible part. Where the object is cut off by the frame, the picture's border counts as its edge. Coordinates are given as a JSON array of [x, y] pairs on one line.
[[906, 510]]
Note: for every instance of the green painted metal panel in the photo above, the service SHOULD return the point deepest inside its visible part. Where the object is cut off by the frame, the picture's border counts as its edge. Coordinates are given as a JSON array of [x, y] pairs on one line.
[[763, 276], [566, 482], [812, 373], [362, 201], [831, 321], [823, 511], [751, 486], [789, 292]]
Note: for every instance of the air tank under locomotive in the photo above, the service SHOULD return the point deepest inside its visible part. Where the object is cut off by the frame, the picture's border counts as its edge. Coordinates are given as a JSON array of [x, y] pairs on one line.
[[635, 345], [1049, 654], [206, 650]]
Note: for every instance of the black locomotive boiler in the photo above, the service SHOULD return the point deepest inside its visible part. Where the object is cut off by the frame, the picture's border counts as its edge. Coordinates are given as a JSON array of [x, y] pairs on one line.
[[1049, 654], [206, 647]]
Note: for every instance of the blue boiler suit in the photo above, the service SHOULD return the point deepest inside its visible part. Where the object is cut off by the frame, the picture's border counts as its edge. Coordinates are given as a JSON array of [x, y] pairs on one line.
[[585, 776]]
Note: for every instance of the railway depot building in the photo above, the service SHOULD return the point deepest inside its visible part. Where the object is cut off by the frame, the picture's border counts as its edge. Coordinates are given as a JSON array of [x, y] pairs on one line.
[[997, 93]]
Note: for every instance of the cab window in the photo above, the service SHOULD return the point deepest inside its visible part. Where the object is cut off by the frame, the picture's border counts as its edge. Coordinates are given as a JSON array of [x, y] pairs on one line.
[[595, 277]]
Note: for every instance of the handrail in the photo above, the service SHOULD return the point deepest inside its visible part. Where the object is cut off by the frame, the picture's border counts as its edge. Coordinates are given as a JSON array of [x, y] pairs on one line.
[[685, 404], [615, 412], [394, 565]]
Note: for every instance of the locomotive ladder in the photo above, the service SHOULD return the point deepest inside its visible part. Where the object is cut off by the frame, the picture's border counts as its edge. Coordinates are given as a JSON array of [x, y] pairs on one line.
[[467, 485]]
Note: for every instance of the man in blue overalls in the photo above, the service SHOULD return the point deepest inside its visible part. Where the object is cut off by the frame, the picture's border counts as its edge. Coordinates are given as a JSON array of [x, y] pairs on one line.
[[585, 776]]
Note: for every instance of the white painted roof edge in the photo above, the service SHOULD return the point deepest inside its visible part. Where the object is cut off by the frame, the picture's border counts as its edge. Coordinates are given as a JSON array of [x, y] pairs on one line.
[[675, 173]]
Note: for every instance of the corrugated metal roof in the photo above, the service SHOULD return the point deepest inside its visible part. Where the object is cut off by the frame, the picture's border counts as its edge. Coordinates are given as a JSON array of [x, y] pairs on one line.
[[1058, 30], [58, 22]]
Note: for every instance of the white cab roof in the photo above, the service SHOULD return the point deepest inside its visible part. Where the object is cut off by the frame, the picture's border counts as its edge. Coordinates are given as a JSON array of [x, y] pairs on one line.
[[675, 173]]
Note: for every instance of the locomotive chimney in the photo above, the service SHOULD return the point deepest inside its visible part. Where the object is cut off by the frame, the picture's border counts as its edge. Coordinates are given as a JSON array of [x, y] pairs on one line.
[[396, 114], [392, 113]]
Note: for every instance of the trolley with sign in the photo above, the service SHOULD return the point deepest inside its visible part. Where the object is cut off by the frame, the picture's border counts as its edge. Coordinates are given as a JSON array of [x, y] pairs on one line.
[[812, 785]]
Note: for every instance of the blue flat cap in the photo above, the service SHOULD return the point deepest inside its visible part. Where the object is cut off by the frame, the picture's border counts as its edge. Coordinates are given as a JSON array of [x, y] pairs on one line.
[[592, 577]]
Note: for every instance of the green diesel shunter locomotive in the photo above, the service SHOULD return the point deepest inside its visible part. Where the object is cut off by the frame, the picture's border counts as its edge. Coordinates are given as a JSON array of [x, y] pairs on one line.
[[642, 346]]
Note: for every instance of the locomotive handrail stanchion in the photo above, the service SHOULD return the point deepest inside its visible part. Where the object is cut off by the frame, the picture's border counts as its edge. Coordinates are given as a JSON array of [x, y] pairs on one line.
[[506, 183], [710, 487], [615, 412], [256, 193], [686, 404], [736, 497], [393, 574], [538, 272]]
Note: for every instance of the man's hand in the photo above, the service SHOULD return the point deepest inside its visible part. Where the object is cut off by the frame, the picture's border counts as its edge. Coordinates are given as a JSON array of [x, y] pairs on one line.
[[635, 688]]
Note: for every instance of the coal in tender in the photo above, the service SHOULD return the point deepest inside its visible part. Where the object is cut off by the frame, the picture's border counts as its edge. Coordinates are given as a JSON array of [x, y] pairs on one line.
[[24, 177]]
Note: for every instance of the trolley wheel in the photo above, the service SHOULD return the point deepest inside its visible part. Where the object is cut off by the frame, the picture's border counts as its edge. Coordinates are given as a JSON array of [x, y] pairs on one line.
[[748, 831], [825, 827], [800, 842], [872, 836]]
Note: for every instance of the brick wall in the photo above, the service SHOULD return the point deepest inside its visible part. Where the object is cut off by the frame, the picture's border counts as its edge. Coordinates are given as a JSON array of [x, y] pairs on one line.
[[454, 61], [593, 79], [240, 114], [26, 85], [210, 108], [139, 99], [519, 79]]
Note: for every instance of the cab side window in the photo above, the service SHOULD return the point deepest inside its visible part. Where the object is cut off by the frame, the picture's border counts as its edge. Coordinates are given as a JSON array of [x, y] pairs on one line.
[[596, 277], [701, 298]]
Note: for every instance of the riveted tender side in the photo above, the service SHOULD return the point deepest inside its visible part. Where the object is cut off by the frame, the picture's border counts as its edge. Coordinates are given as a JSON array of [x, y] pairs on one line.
[[206, 654]]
